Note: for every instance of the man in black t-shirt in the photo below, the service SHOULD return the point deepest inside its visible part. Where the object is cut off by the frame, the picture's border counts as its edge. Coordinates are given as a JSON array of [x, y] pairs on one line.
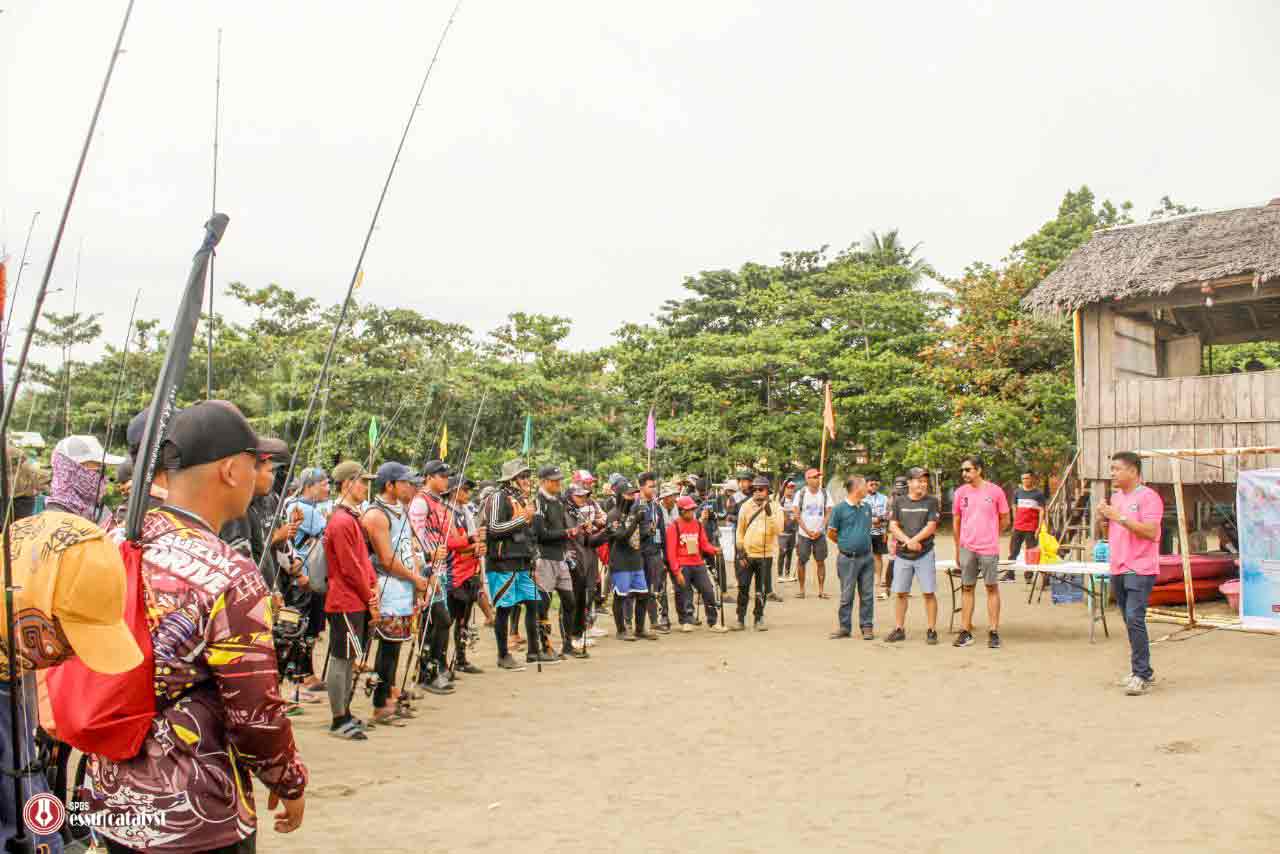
[[912, 523]]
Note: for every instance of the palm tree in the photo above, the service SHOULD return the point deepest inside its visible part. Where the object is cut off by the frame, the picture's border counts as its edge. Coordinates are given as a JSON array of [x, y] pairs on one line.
[[888, 250]]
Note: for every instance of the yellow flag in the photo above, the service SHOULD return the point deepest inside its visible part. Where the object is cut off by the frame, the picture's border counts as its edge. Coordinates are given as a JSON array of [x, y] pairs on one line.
[[359, 280], [444, 442]]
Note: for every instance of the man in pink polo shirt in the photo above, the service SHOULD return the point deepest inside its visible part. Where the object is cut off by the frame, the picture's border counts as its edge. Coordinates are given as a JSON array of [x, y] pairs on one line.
[[1133, 531], [980, 512]]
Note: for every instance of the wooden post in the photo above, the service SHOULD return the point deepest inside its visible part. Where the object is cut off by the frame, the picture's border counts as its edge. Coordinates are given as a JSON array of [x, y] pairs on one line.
[[1183, 545], [822, 459]]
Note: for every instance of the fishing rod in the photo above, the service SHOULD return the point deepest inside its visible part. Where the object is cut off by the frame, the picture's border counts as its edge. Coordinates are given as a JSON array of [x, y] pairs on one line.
[[355, 274], [466, 458], [21, 841], [213, 207], [17, 281], [115, 398], [437, 563]]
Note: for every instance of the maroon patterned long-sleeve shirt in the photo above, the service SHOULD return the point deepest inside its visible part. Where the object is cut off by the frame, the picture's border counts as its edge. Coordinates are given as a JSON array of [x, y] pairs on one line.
[[220, 717]]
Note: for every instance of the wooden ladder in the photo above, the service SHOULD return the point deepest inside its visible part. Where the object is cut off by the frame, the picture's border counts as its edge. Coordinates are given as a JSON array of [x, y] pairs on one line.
[[1068, 514]]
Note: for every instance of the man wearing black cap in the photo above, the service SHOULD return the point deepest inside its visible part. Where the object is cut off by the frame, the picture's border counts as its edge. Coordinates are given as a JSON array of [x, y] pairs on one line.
[[653, 545], [351, 600], [432, 520], [626, 562], [507, 518], [589, 520], [215, 676], [553, 531], [466, 548]]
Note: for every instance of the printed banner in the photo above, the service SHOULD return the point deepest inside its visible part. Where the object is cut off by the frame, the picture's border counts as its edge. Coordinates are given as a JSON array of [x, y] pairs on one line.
[[1258, 520]]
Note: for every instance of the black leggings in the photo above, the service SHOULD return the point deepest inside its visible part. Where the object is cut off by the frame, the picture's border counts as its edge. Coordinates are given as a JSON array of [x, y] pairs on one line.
[[786, 548], [385, 665], [582, 597], [437, 639], [460, 612], [504, 616]]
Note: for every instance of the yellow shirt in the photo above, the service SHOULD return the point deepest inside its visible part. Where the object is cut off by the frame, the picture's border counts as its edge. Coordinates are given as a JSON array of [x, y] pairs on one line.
[[761, 538]]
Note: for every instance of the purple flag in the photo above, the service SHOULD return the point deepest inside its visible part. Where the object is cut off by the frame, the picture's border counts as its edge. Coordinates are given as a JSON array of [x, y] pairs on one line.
[[651, 432]]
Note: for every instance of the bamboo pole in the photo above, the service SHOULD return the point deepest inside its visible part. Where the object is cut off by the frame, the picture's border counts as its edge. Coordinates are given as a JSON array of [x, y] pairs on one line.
[[1210, 452], [1183, 544]]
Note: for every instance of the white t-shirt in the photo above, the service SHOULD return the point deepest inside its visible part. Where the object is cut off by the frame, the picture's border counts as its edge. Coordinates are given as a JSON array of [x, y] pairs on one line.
[[812, 508]]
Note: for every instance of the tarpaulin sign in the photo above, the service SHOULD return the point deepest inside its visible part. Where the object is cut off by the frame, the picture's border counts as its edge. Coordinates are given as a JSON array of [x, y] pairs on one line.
[[1258, 520]]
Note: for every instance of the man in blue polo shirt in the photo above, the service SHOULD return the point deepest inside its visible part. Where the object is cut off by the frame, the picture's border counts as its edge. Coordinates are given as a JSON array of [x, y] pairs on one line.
[[850, 529]]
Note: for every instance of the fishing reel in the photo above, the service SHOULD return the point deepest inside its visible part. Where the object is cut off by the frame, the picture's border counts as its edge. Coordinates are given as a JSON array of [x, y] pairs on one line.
[[371, 683], [471, 636]]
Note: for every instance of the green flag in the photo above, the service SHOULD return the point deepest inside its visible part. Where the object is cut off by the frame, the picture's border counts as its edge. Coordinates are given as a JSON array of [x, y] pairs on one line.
[[528, 434], [373, 432]]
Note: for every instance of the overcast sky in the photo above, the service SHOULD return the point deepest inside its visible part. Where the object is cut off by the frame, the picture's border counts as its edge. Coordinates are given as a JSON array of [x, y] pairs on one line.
[[581, 158]]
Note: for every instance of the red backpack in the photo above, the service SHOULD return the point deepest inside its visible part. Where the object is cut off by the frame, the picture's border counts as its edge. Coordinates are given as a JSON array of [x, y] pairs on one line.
[[109, 715]]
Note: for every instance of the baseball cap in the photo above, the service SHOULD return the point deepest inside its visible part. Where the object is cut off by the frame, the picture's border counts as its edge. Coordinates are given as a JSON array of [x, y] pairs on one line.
[[668, 490], [812, 473], [458, 480], [312, 476], [624, 487], [761, 482], [86, 449], [392, 471], [550, 473], [349, 470], [745, 474], [916, 471], [273, 450], [133, 433], [684, 502], [207, 432], [579, 489], [583, 476], [67, 570], [435, 467]]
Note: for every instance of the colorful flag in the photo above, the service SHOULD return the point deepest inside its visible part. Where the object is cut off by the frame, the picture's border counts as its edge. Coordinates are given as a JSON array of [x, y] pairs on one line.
[[373, 432], [829, 413], [444, 442], [651, 432], [359, 281], [528, 435]]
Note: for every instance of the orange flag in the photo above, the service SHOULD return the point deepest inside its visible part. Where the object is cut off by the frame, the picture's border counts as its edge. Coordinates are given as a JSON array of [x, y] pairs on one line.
[[829, 413]]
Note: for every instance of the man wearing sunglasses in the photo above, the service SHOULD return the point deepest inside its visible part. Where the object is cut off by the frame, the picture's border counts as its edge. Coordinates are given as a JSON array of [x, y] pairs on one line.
[[980, 512], [759, 523]]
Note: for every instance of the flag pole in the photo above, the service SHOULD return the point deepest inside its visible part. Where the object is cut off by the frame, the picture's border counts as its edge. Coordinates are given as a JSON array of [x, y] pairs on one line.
[[822, 458]]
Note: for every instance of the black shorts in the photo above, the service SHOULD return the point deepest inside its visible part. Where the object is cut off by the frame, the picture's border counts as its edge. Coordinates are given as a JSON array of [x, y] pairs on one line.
[[807, 548], [358, 622], [468, 591], [879, 546]]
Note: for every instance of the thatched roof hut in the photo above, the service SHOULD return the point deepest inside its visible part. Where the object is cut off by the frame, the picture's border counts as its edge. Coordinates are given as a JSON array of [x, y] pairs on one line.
[[1154, 259]]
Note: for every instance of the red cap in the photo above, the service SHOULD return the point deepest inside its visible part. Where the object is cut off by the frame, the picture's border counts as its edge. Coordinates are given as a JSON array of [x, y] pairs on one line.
[[684, 502], [813, 473]]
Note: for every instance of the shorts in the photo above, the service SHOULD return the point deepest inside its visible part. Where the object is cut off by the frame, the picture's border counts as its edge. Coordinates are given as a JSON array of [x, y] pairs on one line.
[[348, 635], [511, 588], [806, 547], [924, 567], [466, 592], [878, 545], [628, 581], [552, 575], [972, 565]]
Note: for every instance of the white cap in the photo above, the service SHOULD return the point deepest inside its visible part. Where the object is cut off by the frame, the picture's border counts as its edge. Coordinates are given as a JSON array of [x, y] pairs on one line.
[[86, 449]]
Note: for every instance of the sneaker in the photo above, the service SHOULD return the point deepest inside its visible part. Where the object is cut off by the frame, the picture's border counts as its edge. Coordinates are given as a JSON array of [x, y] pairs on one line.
[[774, 597], [576, 652], [761, 625], [597, 632], [993, 640], [1123, 681], [739, 626], [664, 628], [896, 636], [931, 638], [508, 662], [534, 658], [963, 639], [468, 667], [867, 634], [840, 634], [647, 635], [686, 628], [1136, 686], [628, 635], [718, 629]]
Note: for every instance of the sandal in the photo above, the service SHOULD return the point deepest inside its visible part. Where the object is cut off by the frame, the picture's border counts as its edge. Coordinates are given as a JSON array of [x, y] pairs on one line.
[[389, 719], [800, 595], [824, 595]]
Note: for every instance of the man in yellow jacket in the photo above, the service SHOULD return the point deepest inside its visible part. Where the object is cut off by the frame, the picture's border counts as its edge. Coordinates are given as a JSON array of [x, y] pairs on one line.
[[759, 523]]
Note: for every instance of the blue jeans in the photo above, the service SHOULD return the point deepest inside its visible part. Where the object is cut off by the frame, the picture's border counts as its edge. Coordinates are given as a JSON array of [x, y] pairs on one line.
[[860, 573], [1133, 591]]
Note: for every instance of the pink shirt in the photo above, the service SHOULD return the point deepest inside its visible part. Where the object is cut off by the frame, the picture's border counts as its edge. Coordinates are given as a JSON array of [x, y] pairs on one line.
[[1129, 552], [979, 509]]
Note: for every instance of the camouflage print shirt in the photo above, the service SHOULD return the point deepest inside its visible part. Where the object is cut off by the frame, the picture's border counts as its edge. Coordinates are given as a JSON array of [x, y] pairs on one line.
[[219, 715]]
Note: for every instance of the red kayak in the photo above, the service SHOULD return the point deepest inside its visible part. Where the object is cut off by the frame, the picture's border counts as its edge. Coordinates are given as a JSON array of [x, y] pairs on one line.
[[1217, 565], [1175, 592]]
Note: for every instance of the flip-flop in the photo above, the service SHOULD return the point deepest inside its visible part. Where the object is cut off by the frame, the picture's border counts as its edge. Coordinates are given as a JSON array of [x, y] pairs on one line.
[[351, 731], [388, 720]]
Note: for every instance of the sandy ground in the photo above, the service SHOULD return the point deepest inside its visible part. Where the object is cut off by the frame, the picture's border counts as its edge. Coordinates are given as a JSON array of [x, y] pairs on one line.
[[788, 741]]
